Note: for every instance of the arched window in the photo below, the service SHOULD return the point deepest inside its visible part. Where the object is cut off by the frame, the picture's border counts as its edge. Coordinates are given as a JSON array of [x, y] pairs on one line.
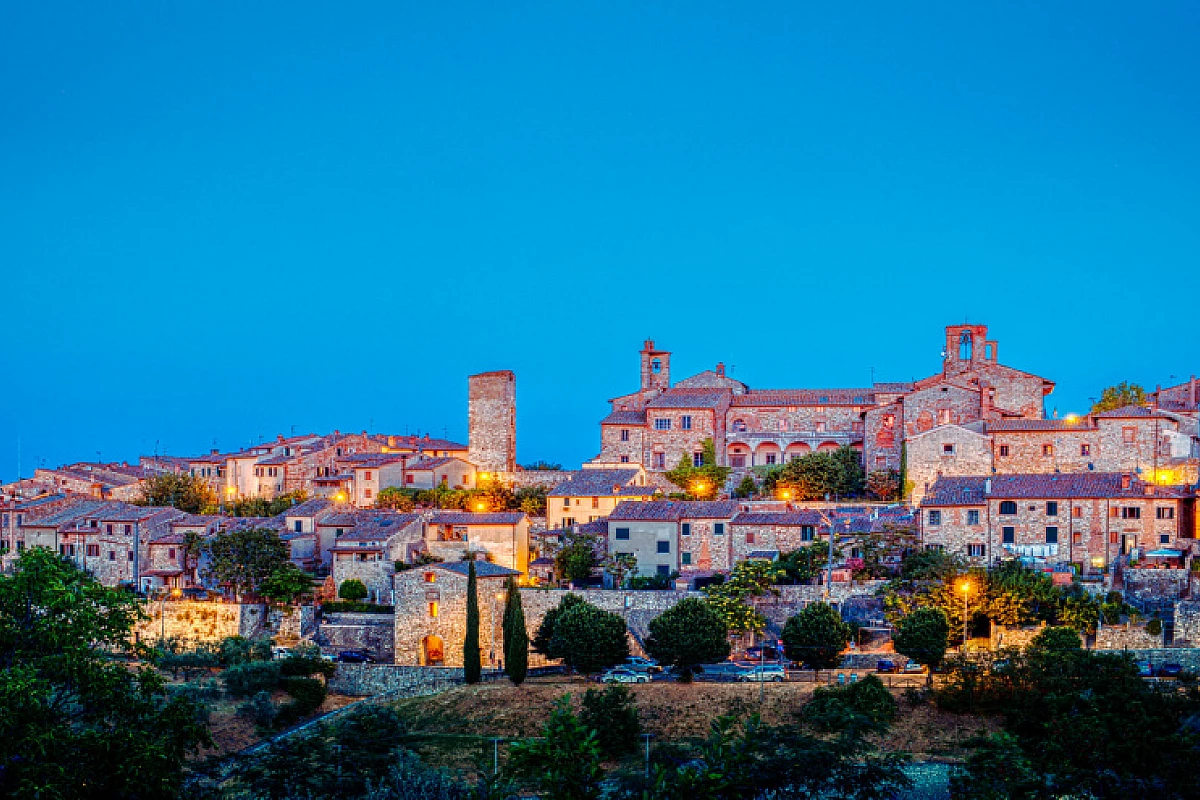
[[656, 366], [964, 346]]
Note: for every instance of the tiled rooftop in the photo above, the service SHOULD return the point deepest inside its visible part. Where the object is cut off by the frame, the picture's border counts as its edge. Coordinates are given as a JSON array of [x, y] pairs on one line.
[[625, 418], [960, 491], [690, 398], [673, 510], [483, 569], [781, 518], [591, 482], [467, 518], [806, 397]]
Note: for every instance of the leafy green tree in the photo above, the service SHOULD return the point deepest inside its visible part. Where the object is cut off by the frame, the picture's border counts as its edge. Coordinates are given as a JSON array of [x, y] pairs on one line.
[[287, 584], [352, 590], [619, 566], [1056, 638], [816, 636], [240, 650], [802, 565], [612, 714], [746, 488], [905, 484], [733, 599], [589, 639], [183, 491], [576, 558], [396, 498], [832, 708], [812, 476], [564, 763], [1119, 396], [931, 565], [532, 500], [688, 633], [472, 658], [703, 482], [543, 639], [923, 636], [516, 638], [244, 559], [77, 721]]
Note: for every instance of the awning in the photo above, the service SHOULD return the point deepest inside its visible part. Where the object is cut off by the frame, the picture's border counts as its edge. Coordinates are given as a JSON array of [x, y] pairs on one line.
[[1164, 553]]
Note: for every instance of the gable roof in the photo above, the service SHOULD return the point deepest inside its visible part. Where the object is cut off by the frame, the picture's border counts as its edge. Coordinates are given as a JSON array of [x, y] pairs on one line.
[[1018, 425], [973, 490], [591, 482], [483, 569], [625, 418], [1126, 412], [431, 463], [806, 397], [673, 510], [691, 398], [787, 519], [469, 518]]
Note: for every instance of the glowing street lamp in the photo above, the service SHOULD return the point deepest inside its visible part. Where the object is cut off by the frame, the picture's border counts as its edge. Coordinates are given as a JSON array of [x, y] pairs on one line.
[[965, 588]]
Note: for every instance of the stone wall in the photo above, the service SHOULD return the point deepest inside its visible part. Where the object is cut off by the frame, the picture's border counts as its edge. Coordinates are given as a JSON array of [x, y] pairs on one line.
[[372, 633], [491, 419], [292, 624], [368, 680], [1187, 623], [1156, 584], [201, 622], [1127, 637], [970, 453]]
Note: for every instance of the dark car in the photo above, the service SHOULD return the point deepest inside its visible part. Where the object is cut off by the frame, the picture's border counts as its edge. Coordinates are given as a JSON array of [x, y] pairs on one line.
[[887, 665], [354, 657], [1169, 670], [195, 593]]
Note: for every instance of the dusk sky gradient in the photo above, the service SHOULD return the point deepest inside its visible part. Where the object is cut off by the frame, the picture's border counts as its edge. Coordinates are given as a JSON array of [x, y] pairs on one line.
[[223, 221]]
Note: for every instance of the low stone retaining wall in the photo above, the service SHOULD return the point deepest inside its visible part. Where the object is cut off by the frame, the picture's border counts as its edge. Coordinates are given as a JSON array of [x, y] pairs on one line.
[[368, 680], [198, 621], [374, 633], [1186, 657], [1127, 637]]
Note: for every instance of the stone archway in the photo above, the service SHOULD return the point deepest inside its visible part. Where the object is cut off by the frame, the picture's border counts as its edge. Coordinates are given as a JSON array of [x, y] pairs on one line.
[[796, 450], [433, 651]]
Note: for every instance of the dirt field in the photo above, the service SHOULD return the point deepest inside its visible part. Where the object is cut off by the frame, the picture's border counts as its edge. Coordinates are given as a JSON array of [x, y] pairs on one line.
[[454, 728], [232, 733]]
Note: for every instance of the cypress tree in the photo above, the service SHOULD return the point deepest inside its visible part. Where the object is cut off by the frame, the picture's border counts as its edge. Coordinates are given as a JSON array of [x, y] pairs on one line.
[[472, 664], [516, 639], [904, 470]]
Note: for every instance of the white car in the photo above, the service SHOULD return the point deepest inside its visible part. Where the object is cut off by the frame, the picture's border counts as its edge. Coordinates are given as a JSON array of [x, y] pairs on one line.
[[768, 672], [623, 675], [639, 664]]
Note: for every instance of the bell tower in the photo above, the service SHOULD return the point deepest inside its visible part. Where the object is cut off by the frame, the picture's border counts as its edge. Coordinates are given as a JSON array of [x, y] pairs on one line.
[[656, 368], [966, 347]]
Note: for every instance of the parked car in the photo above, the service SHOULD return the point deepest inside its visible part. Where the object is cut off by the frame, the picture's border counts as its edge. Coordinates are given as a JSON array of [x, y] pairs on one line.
[[887, 665], [639, 664], [194, 593], [354, 657], [1169, 670], [723, 670], [280, 652], [763, 672], [623, 675]]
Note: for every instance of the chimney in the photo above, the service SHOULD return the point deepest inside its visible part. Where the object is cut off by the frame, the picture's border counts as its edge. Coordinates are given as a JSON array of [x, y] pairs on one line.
[[721, 369], [985, 401], [1148, 489], [987, 486], [1126, 481], [427, 437]]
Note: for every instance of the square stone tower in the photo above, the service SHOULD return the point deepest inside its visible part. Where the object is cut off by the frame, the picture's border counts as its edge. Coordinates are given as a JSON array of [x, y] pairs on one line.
[[492, 421]]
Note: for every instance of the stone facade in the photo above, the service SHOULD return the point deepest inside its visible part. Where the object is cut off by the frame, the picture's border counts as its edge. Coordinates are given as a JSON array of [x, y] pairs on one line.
[[372, 633], [1127, 637], [1187, 623], [946, 450], [492, 420], [190, 621]]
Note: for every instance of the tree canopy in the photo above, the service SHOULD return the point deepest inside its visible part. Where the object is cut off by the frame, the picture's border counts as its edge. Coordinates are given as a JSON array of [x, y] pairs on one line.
[[923, 636], [589, 639], [811, 477], [183, 491], [287, 584], [576, 557], [703, 482], [816, 636], [244, 559], [76, 722], [687, 634], [1119, 396]]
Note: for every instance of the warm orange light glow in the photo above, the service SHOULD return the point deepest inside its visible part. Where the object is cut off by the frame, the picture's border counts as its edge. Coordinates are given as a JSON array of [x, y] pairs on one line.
[[340, 497], [785, 494], [964, 587], [176, 592], [480, 507]]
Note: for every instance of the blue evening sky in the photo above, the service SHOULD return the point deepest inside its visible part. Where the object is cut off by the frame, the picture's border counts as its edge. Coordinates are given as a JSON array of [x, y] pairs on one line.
[[220, 221]]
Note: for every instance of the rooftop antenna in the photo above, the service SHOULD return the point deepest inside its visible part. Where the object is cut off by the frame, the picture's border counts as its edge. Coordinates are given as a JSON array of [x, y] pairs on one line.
[[293, 430]]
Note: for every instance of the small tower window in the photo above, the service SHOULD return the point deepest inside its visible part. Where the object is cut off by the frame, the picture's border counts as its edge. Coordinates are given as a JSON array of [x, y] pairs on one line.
[[656, 366], [964, 346]]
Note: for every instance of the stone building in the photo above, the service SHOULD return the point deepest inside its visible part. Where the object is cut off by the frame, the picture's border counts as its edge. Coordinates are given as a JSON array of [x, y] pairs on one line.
[[492, 421], [1088, 519], [502, 537], [663, 423], [369, 552], [429, 473], [590, 495], [668, 536]]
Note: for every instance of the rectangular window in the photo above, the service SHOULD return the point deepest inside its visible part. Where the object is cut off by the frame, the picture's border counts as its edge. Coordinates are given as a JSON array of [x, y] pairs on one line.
[[595, 502], [1051, 508], [1164, 538], [935, 517], [664, 547], [1008, 508], [686, 529], [622, 534], [1003, 450], [807, 533], [433, 608], [1077, 512], [1085, 449], [93, 550], [685, 422], [1008, 535], [1051, 535], [663, 569], [719, 528], [973, 517], [112, 554], [976, 550], [130, 555], [1164, 512], [1114, 537], [1047, 449], [624, 434], [624, 459], [367, 493], [569, 521], [367, 475], [128, 529], [662, 424], [1128, 435], [1131, 512], [947, 449], [431, 577], [697, 459], [749, 538], [298, 526], [687, 558], [660, 461], [770, 458], [171, 553], [1077, 538]]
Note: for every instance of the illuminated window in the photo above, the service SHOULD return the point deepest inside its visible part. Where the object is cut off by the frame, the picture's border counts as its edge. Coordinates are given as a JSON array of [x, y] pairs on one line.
[[1085, 449], [433, 608], [1047, 449], [431, 577]]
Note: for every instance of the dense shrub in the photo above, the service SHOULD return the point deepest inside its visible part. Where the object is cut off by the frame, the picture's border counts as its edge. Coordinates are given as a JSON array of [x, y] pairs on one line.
[[303, 663], [307, 696], [832, 706], [333, 607], [246, 679], [611, 713], [235, 650]]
